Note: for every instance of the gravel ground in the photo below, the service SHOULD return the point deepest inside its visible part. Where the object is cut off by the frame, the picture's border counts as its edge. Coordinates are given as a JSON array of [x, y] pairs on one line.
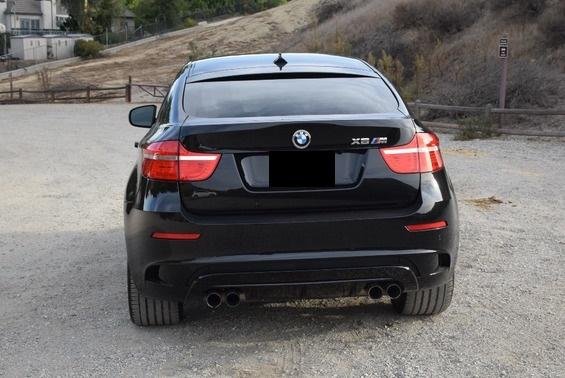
[[63, 170]]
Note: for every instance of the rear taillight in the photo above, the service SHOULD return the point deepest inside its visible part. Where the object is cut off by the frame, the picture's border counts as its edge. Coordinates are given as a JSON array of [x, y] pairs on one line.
[[419, 156], [171, 161]]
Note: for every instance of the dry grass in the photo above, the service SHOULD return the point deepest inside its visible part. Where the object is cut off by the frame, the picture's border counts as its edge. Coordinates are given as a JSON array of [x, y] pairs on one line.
[[448, 48], [158, 62]]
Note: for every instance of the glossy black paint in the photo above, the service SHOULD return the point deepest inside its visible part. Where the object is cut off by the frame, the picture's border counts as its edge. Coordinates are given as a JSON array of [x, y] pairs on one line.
[[143, 116], [343, 237]]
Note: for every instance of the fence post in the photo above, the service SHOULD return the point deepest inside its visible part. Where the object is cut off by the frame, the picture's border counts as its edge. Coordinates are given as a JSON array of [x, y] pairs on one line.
[[11, 87], [488, 110], [52, 93], [88, 94], [128, 90], [418, 109], [21, 94]]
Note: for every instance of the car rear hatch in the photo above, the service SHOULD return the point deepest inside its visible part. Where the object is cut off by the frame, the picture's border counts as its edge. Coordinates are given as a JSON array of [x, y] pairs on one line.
[[263, 170], [296, 144]]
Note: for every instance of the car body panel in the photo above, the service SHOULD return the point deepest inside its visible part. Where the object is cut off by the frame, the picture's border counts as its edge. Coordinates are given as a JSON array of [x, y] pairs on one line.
[[329, 241]]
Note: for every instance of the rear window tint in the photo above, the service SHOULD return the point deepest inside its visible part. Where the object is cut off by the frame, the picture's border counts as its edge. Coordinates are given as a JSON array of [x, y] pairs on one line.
[[288, 97]]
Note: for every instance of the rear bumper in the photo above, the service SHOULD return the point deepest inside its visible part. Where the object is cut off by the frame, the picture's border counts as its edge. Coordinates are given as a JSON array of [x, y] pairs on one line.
[[278, 256], [284, 276]]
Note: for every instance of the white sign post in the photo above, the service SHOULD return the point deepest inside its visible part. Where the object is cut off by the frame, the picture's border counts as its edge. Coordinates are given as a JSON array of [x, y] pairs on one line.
[[503, 55]]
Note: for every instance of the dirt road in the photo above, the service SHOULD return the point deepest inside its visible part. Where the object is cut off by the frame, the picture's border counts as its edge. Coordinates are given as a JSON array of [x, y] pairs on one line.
[[63, 170]]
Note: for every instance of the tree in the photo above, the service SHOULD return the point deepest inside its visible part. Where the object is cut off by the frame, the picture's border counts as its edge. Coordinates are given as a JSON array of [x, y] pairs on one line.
[[103, 13], [93, 16], [77, 10], [169, 13]]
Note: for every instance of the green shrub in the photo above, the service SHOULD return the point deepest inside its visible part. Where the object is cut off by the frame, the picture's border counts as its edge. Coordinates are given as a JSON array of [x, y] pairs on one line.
[[475, 128], [392, 68], [190, 22], [88, 49]]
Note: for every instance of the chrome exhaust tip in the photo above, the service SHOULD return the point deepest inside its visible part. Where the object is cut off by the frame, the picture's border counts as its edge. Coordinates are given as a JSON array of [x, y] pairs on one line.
[[213, 300], [375, 292], [233, 299], [394, 291]]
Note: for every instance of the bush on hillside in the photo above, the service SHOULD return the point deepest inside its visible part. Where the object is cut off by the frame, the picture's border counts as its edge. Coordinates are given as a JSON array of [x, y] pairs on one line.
[[326, 9], [441, 16], [529, 85], [392, 68], [522, 8], [552, 27], [190, 22], [88, 49], [475, 127]]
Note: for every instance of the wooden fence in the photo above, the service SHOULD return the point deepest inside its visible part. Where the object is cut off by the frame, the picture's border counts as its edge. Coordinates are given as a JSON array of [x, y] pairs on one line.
[[490, 114], [86, 94], [96, 94]]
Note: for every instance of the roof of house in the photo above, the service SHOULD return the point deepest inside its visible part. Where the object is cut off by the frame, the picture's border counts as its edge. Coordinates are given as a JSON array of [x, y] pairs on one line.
[[23, 7], [128, 14]]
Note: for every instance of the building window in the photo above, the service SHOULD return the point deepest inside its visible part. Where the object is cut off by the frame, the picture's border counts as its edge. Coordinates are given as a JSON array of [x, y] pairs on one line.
[[29, 24], [60, 20]]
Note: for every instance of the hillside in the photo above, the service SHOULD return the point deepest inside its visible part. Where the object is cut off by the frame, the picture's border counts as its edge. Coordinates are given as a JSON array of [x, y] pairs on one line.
[[442, 51], [445, 51], [158, 61]]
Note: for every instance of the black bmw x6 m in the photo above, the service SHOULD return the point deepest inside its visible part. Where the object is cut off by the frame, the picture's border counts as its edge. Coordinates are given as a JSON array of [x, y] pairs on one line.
[[265, 178]]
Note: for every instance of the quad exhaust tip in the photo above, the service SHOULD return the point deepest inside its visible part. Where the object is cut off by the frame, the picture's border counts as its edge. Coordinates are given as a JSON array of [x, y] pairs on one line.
[[375, 292], [213, 300], [394, 291], [233, 299]]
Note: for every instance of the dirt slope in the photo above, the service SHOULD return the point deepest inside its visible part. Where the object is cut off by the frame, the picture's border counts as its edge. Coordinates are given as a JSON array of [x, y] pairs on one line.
[[158, 61]]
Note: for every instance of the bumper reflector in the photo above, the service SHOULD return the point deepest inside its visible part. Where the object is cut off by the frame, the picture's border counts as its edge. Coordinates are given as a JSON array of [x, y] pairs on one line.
[[427, 226], [175, 236]]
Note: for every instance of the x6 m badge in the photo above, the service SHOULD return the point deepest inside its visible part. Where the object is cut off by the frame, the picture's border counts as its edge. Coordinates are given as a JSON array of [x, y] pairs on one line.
[[368, 141]]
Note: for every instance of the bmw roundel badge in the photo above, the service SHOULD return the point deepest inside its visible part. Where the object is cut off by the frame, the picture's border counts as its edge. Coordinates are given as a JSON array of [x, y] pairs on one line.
[[301, 139]]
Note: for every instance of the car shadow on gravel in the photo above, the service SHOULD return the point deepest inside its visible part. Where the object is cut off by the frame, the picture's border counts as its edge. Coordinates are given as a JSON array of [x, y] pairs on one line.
[[286, 321], [81, 279]]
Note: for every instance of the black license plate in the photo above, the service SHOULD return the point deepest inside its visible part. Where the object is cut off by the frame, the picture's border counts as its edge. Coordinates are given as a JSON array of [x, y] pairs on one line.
[[302, 169]]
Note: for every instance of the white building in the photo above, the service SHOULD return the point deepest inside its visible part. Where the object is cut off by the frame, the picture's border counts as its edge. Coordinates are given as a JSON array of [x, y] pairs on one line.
[[32, 16], [29, 47], [49, 46]]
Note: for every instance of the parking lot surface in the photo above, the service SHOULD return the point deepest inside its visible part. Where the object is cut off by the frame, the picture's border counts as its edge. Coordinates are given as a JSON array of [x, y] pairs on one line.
[[63, 309]]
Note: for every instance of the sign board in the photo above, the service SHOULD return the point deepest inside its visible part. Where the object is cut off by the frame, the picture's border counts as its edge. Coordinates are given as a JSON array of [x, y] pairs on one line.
[[503, 48]]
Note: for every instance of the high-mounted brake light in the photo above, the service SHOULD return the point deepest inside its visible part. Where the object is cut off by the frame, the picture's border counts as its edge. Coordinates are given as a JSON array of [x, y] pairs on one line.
[[171, 161], [421, 155]]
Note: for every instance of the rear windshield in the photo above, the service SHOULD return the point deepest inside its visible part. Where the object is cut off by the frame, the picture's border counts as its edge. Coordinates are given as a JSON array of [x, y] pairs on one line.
[[288, 97]]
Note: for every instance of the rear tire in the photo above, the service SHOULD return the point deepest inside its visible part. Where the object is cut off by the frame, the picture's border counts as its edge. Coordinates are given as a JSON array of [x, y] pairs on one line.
[[426, 301], [145, 311]]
